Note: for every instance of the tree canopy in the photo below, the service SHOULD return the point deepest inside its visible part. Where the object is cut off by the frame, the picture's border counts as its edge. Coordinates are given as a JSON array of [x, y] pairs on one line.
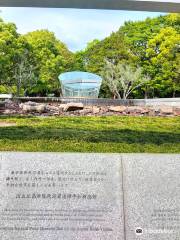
[[52, 57], [30, 63]]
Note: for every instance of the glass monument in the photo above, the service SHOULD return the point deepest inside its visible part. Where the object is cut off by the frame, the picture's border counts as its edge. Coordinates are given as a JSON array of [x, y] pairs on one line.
[[80, 84]]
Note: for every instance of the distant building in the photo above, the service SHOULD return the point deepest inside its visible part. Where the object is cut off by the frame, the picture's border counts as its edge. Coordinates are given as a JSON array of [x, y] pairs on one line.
[[80, 84]]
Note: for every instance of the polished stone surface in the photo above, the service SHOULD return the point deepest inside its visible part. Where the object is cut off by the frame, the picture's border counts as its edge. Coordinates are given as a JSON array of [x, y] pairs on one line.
[[46, 196], [152, 196], [52, 196]]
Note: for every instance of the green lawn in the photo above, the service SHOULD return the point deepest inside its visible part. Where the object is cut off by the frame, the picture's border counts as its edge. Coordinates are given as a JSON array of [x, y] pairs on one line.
[[91, 134]]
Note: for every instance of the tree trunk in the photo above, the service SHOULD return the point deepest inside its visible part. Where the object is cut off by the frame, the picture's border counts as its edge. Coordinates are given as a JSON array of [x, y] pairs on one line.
[[174, 93], [124, 95], [146, 93], [118, 95], [18, 89]]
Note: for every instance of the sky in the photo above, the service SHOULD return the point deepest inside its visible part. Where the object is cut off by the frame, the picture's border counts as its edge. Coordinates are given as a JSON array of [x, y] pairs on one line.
[[74, 27]]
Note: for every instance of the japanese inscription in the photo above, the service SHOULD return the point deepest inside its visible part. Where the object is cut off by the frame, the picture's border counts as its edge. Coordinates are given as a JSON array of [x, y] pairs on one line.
[[60, 196]]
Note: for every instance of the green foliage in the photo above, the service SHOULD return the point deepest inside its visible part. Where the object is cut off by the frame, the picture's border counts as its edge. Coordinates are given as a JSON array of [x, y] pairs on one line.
[[52, 58], [8, 43], [152, 44], [138, 33], [112, 48], [3, 89], [155, 43], [15, 57], [78, 64], [122, 79], [24, 73], [132, 44], [163, 54], [173, 20], [6, 89]]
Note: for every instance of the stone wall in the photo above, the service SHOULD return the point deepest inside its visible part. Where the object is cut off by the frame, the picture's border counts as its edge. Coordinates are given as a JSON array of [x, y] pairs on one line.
[[105, 101]]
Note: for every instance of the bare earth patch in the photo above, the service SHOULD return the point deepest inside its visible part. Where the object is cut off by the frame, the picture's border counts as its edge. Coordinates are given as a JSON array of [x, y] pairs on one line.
[[7, 124]]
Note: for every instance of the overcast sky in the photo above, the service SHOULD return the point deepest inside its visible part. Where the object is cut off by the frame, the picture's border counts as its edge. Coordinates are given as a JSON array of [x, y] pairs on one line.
[[72, 26]]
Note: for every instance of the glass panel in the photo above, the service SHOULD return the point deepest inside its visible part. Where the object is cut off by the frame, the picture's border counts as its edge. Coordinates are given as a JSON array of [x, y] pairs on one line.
[[80, 84]]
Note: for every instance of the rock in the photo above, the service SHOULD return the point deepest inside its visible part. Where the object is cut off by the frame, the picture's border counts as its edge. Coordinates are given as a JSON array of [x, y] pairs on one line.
[[7, 111], [27, 108], [62, 106], [52, 108], [103, 109], [85, 111], [117, 108], [40, 108], [177, 111], [20, 105], [77, 109], [166, 110], [151, 112], [30, 108], [107, 114], [10, 112], [95, 110], [73, 107], [145, 110], [135, 109], [55, 114], [31, 103]]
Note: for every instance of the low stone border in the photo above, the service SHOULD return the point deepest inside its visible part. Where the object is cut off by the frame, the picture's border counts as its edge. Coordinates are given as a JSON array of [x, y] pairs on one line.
[[103, 101], [78, 109]]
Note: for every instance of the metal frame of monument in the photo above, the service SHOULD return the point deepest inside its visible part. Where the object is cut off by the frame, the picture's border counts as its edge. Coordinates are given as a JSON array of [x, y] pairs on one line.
[[136, 5]]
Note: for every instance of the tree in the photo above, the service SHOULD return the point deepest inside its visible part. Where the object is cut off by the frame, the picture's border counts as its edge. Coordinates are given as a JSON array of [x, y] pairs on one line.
[[152, 44], [163, 65], [112, 48], [137, 36], [24, 74], [15, 58], [122, 79], [52, 58], [78, 60], [8, 46], [91, 44], [176, 80], [173, 20]]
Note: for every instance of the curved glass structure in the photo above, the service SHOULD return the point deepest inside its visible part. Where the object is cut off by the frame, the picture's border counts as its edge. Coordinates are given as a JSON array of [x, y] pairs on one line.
[[80, 84]]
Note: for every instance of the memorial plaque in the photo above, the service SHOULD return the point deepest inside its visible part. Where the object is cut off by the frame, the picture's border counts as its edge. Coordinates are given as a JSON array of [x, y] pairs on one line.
[[47, 196], [152, 196]]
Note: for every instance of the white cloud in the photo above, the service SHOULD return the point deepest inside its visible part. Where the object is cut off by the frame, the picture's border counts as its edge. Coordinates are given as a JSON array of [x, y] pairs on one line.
[[72, 26]]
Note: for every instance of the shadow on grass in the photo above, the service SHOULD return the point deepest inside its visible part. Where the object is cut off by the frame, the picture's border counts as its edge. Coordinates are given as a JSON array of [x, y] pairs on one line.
[[92, 136]]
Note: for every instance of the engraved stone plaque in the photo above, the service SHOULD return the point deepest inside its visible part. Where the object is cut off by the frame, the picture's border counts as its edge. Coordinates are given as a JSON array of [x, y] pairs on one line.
[[49, 196], [152, 196]]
